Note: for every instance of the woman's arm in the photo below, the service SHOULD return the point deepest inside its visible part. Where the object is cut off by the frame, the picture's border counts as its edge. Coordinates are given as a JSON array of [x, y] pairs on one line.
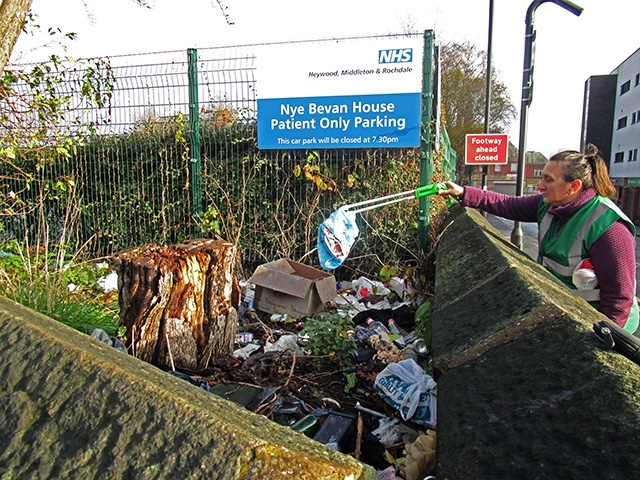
[[523, 209], [613, 257]]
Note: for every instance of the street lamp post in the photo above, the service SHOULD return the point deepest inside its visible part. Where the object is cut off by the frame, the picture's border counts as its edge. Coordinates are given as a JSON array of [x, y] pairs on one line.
[[527, 92], [487, 97]]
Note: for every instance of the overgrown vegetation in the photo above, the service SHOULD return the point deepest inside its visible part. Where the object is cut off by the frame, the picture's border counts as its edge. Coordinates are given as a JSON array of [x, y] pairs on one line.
[[42, 127], [57, 287], [78, 195]]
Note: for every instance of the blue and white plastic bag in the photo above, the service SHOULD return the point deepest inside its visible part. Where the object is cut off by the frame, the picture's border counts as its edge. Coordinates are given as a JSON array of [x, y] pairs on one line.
[[407, 388], [336, 236]]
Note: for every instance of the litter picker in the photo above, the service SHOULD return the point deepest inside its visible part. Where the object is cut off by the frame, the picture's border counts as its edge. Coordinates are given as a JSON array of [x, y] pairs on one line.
[[338, 233]]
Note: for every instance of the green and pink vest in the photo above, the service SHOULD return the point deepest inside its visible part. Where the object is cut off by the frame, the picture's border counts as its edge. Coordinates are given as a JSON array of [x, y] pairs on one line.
[[561, 251]]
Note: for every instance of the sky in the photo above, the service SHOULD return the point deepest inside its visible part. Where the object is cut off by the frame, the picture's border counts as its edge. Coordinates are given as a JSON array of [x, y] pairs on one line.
[[568, 48]]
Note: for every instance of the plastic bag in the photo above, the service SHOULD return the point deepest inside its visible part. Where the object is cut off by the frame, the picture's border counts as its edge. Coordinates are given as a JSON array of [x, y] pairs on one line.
[[336, 236], [363, 287], [420, 457], [584, 278], [391, 431], [406, 387]]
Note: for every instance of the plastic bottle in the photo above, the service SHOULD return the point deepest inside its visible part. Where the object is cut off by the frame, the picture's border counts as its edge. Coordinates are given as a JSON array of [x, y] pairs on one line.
[[393, 328], [362, 334], [377, 327]]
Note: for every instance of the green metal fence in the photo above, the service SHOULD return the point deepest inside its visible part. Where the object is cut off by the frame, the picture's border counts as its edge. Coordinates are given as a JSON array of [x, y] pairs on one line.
[[152, 170]]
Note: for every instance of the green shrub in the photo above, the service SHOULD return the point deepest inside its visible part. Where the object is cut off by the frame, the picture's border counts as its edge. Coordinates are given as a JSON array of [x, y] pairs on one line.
[[328, 338]]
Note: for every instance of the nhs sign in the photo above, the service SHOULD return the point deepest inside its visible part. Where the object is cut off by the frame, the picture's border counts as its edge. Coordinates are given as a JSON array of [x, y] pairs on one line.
[[396, 55]]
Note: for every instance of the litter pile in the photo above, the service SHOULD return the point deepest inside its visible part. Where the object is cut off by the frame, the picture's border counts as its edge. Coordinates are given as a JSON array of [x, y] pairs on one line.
[[344, 364], [352, 376]]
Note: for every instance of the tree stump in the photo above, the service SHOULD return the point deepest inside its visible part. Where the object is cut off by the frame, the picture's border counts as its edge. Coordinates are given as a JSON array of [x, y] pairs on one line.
[[179, 303]]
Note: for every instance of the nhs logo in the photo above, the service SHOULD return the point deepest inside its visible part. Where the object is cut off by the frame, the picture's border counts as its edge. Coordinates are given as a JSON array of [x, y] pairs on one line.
[[396, 55]]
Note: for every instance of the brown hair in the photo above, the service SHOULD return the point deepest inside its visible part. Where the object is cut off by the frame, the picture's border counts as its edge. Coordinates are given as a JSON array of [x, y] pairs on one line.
[[588, 167]]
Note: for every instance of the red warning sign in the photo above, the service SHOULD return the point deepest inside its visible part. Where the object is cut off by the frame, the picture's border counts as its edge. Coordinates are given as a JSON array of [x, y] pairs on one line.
[[487, 149]]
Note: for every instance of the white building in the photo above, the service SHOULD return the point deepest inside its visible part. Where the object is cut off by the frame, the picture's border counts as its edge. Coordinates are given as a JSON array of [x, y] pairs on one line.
[[611, 113], [626, 129]]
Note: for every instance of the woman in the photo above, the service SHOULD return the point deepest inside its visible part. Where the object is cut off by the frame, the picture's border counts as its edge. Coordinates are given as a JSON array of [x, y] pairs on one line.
[[576, 221]]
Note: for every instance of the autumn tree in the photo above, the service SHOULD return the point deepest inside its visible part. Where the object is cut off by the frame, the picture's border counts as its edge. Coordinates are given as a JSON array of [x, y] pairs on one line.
[[12, 16], [464, 68]]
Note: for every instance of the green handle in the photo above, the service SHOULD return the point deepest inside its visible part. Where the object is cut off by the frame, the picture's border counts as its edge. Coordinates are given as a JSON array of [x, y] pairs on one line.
[[430, 190]]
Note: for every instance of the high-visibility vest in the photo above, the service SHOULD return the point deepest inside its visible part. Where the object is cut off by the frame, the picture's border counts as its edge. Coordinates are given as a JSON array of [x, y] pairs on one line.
[[561, 251]]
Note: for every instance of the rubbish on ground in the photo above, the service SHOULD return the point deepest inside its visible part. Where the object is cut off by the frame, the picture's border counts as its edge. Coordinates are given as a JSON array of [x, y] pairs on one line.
[[198, 382], [308, 425], [244, 337], [369, 411], [392, 431], [386, 351], [377, 327], [364, 287], [420, 347], [283, 343], [108, 283], [401, 288], [247, 350], [362, 355], [420, 457], [388, 473], [276, 356], [407, 388], [104, 337], [393, 327], [403, 317], [334, 430], [287, 287]]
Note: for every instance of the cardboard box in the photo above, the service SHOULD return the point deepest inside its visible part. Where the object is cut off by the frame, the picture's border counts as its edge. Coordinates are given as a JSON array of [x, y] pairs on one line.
[[285, 286]]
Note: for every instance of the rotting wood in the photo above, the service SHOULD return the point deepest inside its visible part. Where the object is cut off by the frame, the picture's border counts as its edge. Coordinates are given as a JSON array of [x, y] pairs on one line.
[[184, 294]]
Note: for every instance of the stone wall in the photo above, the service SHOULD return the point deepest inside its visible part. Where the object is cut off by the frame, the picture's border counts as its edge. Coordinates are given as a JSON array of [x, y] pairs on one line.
[[525, 389], [72, 407]]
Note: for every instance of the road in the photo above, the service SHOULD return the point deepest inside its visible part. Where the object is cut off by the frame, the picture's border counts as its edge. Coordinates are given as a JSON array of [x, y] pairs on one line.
[[529, 233]]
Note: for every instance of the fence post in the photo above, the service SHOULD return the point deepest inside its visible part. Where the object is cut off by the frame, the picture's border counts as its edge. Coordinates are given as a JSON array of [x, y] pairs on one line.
[[426, 144], [194, 141]]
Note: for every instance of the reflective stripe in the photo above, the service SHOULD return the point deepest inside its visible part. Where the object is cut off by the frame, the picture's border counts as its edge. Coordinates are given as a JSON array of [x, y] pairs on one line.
[[557, 267], [544, 226], [542, 231], [575, 252], [589, 295]]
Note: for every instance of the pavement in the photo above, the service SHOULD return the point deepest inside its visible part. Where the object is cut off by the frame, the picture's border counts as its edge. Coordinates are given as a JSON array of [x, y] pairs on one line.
[[529, 233], [530, 240]]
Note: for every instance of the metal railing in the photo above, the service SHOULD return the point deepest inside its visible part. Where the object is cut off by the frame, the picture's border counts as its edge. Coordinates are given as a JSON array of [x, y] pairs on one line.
[[135, 183]]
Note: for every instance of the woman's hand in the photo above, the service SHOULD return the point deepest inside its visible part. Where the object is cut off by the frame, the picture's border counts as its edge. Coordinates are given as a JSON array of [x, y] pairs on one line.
[[454, 190]]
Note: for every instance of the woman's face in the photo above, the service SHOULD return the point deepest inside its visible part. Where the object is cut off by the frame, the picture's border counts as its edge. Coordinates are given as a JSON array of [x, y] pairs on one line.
[[555, 190]]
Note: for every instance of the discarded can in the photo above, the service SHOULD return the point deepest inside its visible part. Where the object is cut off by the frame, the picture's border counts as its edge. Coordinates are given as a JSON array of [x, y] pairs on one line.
[[420, 347]]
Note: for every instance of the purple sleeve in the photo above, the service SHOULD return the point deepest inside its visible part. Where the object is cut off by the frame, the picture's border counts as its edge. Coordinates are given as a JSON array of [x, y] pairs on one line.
[[614, 260], [522, 209]]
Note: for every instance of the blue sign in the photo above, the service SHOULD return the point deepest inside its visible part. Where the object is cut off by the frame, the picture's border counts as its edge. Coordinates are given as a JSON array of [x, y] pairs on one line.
[[352, 121], [341, 95]]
